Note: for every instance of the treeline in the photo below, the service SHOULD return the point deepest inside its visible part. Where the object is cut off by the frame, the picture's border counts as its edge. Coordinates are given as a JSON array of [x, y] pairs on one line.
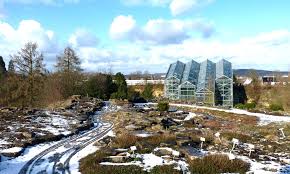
[[27, 82]]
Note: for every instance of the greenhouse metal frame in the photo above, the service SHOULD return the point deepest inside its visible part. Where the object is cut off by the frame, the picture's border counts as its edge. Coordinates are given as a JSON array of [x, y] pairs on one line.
[[204, 83]]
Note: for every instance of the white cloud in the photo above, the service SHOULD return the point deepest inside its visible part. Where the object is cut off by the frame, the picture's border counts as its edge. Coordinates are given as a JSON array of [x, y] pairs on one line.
[[177, 7], [122, 27], [180, 6], [12, 39], [83, 38], [158, 31], [266, 50]]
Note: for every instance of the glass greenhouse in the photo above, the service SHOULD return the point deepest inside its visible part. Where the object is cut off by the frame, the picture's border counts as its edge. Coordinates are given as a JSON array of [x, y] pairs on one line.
[[204, 83]]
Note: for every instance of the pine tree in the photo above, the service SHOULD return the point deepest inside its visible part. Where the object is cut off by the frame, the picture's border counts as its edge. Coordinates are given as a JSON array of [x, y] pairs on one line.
[[121, 84], [3, 70], [148, 92], [29, 63], [11, 68]]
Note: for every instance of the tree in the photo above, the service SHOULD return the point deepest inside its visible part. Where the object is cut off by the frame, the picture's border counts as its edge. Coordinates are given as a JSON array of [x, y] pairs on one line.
[[3, 70], [11, 68], [68, 61], [255, 88], [148, 92], [100, 86], [29, 63], [121, 86], [163, 106], [69, 68]]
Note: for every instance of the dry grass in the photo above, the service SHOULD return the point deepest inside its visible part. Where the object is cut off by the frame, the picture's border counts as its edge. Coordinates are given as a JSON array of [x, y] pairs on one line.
[[125, 140], [213, 164]]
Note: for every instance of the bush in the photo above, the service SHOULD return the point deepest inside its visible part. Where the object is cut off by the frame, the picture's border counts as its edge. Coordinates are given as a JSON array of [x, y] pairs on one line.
[[163, 106], [250, 105], [242, 137], [125, 141], [165, 169], [240, 106], [276, 107], [217, 164], [247, 106]]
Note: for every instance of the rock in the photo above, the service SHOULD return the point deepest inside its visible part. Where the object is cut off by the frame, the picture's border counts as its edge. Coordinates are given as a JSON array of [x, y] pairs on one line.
[[28, 134], [163, 151], [117, 159], [12, 152], [133, 127]]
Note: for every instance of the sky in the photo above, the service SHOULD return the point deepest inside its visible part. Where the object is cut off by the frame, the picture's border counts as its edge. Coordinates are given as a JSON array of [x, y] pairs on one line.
[[148, 35]]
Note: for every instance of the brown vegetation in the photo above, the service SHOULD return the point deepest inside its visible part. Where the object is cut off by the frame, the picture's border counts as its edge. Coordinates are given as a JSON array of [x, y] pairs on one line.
[[218, 164]]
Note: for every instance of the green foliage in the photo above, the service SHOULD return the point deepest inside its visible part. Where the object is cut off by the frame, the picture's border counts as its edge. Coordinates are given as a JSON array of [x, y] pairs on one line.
[[217, 164], [2, 68], [134, 96], [247, 106], [276, 107], [100, 86], [121, 86], [165, 169], [163, 106], [250, 106], [148, 92], [11, 68]]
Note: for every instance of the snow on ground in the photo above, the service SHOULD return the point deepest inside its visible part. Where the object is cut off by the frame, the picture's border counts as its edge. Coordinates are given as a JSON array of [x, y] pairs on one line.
[[14, 165], [190, 116], [264, 167], [74, 164], [3, 142], [12, 150], [264, 118]]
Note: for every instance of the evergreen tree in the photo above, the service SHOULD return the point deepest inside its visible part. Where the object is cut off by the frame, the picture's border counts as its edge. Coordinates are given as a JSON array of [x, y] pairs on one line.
[[148, 92], [11, 68], [29, 63], [121, 86], [3, 70]]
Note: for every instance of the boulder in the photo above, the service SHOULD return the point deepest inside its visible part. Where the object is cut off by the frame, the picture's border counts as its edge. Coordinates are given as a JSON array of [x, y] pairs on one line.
[[163, 151]]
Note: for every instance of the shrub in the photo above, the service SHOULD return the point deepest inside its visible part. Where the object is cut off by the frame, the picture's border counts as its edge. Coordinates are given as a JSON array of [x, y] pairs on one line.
[[125, 141], [163, 106], [217, 164], [250, 106], [165, 169], [230, 135], [245, 106], [240, 106], [276, 107]]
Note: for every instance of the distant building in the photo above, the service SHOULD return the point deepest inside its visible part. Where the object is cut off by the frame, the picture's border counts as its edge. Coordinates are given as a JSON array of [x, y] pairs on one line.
[[205, 83]]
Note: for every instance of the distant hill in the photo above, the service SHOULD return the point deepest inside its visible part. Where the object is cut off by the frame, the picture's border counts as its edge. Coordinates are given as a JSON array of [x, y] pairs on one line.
[[245, 72]]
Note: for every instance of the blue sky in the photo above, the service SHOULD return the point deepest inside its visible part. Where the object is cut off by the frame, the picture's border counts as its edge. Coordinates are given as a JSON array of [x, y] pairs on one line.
[[133, 35]]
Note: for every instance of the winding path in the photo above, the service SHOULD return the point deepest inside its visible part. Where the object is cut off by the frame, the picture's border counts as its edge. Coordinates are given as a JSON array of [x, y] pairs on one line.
[[56, 159]]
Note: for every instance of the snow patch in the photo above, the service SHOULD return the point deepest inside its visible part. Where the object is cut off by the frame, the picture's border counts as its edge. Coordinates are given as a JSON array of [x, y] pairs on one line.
[[12, 150], [190, 116]]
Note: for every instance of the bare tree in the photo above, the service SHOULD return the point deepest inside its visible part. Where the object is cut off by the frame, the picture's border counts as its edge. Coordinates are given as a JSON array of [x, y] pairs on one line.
[[28, 62], [68, 61], [69, 69]]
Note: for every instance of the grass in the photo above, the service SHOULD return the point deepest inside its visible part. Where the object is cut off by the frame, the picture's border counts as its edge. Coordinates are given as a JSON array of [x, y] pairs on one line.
[[165, 169], [241, 137], [213, 164], [125, 140]]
